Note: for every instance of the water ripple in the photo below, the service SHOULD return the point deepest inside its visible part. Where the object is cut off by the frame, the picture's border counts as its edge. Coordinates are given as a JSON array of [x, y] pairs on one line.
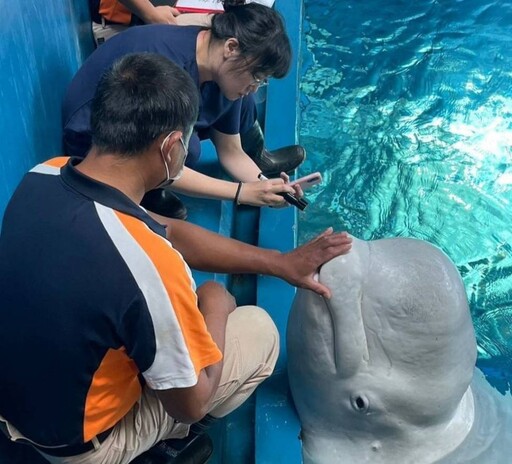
[[407, 110]]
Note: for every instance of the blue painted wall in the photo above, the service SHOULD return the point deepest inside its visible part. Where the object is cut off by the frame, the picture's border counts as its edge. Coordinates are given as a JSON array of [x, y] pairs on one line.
[[42, 44]]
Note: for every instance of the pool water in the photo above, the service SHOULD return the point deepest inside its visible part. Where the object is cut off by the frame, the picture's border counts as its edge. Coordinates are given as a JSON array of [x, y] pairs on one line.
[[406, 109]]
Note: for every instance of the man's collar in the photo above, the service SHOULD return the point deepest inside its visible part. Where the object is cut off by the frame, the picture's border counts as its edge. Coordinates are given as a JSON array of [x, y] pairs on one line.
[[106, 195]]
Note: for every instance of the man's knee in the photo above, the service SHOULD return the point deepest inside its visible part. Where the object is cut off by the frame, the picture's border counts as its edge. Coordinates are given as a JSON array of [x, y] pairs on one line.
[[250, 355], [256, 330]]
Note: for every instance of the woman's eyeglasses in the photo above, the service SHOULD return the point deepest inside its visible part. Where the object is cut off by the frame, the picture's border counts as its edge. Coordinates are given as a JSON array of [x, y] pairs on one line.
[[259, 82]]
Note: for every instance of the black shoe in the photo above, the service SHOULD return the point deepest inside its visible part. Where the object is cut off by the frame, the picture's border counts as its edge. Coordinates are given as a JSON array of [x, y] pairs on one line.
[[165, 203], [194, 449], [286, 159], [271, 163], [146, 458]]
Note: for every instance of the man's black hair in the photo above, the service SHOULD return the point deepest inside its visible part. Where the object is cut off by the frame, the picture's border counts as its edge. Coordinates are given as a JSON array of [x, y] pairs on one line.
[[142, 96], [264, 44]]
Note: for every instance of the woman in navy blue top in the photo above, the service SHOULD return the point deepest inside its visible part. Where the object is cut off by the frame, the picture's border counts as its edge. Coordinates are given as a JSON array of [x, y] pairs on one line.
[[244, 46]]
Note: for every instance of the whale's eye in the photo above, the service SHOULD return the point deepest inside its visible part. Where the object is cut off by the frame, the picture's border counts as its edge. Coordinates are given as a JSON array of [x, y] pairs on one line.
[[360, 403]]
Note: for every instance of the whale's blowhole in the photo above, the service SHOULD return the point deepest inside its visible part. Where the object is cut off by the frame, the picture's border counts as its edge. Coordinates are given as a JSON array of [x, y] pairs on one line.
[[360, 403]]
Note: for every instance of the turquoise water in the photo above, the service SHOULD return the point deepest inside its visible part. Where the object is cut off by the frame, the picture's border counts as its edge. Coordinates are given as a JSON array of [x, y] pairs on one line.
[[406, 109]]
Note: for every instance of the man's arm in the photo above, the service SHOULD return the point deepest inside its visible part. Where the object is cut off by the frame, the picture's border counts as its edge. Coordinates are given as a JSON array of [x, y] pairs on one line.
[[151, 14], [207, 251], [191, 404]]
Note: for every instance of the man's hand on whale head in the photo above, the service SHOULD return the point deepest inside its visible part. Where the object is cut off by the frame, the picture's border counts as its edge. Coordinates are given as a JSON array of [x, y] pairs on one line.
[[207, 251], [300, 266]]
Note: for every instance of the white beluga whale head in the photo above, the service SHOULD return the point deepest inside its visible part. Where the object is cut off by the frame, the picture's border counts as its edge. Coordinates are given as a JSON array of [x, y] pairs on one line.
[[383, 372]]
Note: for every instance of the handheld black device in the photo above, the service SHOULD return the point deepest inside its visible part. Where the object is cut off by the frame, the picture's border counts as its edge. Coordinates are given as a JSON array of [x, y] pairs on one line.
[[289, 198]]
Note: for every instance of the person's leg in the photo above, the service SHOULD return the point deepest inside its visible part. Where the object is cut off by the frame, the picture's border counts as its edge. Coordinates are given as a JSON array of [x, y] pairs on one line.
[[250, 355], [146, 424], [271, 163], [103, 32], [194, 19]]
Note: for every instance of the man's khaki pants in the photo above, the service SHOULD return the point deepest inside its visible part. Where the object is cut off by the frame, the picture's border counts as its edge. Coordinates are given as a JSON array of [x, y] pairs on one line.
[[252, 348]]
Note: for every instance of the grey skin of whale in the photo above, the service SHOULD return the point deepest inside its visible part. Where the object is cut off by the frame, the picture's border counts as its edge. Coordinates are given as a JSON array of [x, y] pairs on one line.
[[384, 371]]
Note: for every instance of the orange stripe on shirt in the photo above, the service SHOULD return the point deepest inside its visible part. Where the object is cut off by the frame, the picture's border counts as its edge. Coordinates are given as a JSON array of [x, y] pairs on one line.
[[173, 273], [114, 390], [57, 162], [113, 10]]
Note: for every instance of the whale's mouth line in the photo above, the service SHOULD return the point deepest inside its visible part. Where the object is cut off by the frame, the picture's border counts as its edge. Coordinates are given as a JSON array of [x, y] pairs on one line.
[[350, 334], [364, 283], [348, 355], [333, 351]]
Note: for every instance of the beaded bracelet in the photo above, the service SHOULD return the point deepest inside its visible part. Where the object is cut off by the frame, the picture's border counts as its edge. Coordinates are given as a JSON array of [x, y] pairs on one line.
[[238, 192]]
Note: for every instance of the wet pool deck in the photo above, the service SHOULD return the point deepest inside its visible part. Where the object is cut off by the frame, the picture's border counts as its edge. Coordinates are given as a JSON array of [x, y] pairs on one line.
[[266, 429]]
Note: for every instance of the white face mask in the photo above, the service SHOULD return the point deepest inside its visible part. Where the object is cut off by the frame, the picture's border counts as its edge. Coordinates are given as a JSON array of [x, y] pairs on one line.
[[168, 179]]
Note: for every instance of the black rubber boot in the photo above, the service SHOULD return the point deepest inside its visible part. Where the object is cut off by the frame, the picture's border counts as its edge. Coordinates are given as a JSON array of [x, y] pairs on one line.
[[195, 448], [165, 203], [271, 163]]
